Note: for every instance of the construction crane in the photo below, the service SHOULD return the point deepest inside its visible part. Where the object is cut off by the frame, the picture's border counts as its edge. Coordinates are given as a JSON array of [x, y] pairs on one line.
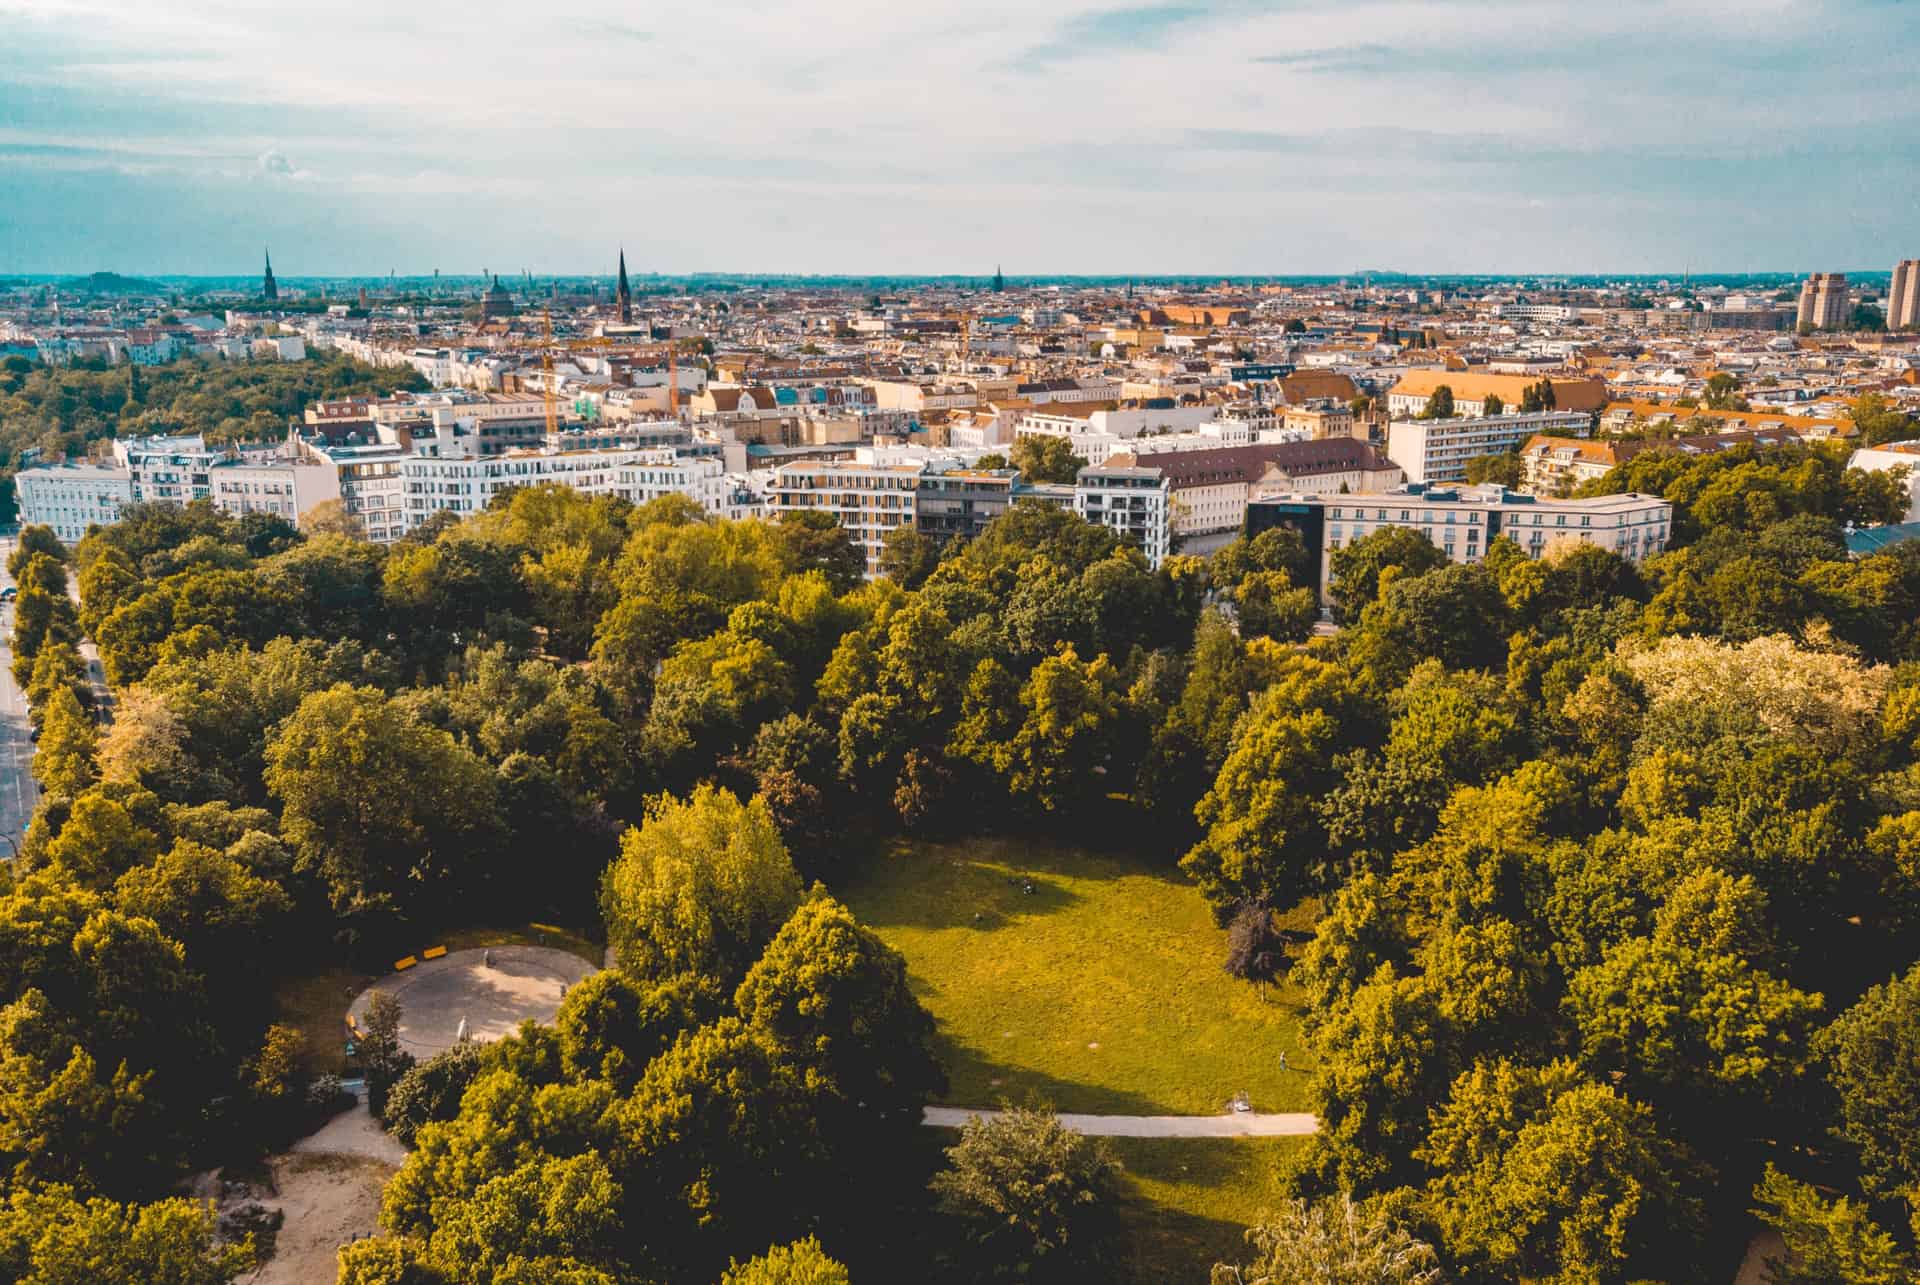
[[546, 365]]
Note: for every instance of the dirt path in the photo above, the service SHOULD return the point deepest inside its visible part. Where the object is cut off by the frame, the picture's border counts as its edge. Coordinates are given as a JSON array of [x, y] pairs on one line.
[[1242, 1124], [353, 1133], [327, 1200]]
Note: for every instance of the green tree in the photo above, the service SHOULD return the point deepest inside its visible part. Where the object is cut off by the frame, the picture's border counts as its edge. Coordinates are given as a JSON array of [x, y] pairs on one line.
[[380, 1052], [34, 539], [1335, 1241], [1871, 1054], [1505, 469], [1071, 713], [1828, 1241], [611, 1027], [1542, 1174], [701, 886], [1880, 421], [222, 913], [1263, 842], [455, 591], [430, 1092], [64, 763], [51, 1236], [1720, 390], [1362, 568], [1493, 405], [722, 1133], [1270, 607], [1046, 457], [801, 1263], [819, 543], [393, 815], [1033, 1199], [834, 999], [908, 557], [1439, 404]]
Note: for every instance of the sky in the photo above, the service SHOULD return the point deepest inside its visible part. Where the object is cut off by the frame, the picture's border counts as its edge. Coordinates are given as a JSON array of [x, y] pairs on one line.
[[921, 136]]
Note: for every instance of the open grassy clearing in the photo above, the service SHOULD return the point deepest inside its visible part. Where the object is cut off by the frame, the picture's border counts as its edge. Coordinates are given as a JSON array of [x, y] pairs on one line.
[[1100, 990], [1193, 1200]]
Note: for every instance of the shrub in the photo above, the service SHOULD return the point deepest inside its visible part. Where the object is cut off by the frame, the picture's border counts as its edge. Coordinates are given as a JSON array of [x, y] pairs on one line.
[[1254, 945], [431, 1091]]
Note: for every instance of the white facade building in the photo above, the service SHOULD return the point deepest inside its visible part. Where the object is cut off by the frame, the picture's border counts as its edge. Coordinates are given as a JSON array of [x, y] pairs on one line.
[[451, 471], [1463, 521], [1437, 450], [71, 497], [1894, 455], [1135, 501]]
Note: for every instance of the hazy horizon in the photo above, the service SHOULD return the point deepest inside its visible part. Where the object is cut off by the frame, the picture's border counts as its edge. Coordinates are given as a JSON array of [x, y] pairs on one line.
[[1183, 138]]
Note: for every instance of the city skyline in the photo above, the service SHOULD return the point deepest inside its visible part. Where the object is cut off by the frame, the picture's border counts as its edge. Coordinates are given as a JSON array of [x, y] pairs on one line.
[[1198, 138]]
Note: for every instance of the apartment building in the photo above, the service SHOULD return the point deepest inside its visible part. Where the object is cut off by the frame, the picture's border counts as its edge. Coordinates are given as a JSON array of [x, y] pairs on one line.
[[1209, 489], [175, 470], [1412, 392], [941, 498], [1463, 521], [288, 487], [1318, 422], [1903, 299], [1437, 450], [456, 470], [956, 503], [1824, 303], [464, 484], [1136, 501], [369, 483], [869, 500], [72, 497], [1556, 465], [1095, 431], [69, 497]]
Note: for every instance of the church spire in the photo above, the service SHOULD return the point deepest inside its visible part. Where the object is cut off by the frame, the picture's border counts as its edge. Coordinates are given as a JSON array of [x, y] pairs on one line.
[[269, 289], [624, 295]]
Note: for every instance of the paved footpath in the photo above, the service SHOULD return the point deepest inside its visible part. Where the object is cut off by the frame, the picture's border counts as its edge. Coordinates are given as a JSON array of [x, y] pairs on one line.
[[1239, 1124]]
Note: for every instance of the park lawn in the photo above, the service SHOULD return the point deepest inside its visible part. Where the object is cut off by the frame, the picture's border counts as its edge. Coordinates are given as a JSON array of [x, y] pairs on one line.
[[1099, 991], [1191, 1201]]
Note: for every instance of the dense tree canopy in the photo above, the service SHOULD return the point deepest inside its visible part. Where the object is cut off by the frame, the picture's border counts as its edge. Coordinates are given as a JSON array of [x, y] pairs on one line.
[[1613, 872]]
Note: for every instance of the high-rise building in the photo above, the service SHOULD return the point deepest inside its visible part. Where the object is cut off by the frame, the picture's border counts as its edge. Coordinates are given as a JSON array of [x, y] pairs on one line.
[[1823, 302], [268, 288], [1903, 301], [624, 295]]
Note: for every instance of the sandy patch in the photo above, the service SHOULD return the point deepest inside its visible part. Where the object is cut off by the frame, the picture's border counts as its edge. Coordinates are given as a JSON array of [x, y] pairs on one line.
[[327, 1200]]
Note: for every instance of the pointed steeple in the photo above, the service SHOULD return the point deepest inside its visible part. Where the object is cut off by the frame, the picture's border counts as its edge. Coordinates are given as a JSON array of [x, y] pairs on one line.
[[624, 294], [269, 289], [999, 280]]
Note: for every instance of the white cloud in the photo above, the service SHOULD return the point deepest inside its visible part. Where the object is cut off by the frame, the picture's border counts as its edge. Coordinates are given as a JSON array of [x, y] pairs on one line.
[[1142, 126]]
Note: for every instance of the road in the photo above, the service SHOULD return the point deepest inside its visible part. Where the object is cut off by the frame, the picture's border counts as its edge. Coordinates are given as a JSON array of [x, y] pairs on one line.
[[18, 792]]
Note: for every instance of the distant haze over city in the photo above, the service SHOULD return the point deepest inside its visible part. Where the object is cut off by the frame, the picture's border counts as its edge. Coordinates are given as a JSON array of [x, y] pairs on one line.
[[1206, 137]]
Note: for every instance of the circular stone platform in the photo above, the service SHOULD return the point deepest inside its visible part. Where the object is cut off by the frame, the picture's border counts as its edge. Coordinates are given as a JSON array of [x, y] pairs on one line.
[[522, 982]]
